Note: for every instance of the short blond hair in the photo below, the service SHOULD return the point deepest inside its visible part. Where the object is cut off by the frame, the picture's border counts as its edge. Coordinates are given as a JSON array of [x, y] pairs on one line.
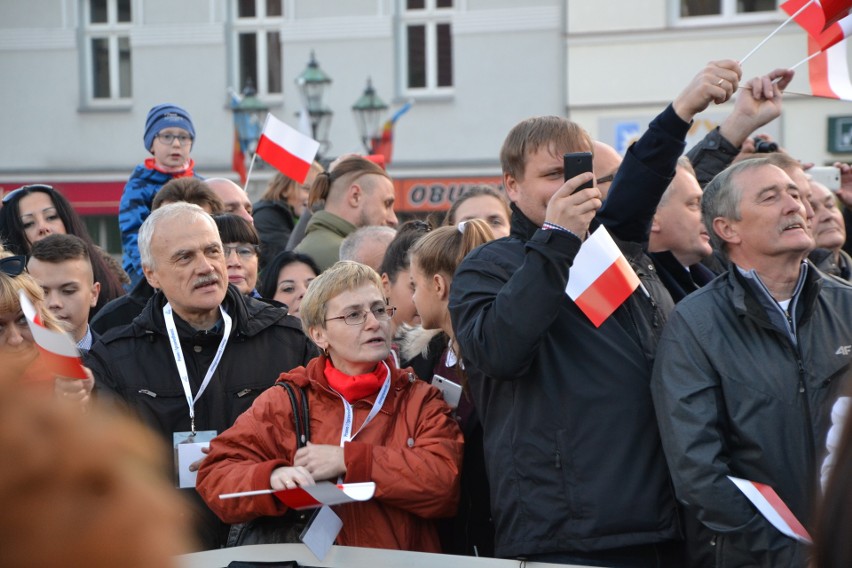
[[344, 275]]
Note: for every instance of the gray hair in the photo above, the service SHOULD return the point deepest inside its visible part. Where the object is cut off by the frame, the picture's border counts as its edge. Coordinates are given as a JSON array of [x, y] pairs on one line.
[[722, 197], [182, 209], [351, 245]]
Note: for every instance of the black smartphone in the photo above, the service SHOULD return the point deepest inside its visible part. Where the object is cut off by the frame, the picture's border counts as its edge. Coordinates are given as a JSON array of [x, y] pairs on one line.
[[576, 163]]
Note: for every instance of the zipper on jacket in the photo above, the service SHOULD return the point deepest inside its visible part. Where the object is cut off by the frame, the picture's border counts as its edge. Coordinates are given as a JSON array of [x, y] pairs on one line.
[[152, 394], [558, 460]]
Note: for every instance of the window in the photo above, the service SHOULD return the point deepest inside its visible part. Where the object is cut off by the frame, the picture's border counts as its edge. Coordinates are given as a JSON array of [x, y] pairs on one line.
[[726, 9], [105, 233], [427, 46], [258, 43], [107, 50]]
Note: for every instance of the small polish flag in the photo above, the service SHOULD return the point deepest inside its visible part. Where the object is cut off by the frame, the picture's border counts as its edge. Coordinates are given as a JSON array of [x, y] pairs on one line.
[[287, 149], [772, 508], [813, 20], [56, 349], [829, 72], [835, 10], [600, 279], [313, 496]]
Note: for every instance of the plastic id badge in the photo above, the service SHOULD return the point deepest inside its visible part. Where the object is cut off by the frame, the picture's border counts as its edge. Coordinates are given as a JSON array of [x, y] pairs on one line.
[[188, 448], [451, 391]]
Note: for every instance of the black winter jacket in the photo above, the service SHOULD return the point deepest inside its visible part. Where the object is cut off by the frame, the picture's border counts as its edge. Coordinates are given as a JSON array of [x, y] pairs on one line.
[[135, 363], [571, 443], [736, 396]]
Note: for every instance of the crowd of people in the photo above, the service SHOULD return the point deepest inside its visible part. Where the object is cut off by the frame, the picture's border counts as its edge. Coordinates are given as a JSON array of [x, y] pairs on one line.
[[310, 337]]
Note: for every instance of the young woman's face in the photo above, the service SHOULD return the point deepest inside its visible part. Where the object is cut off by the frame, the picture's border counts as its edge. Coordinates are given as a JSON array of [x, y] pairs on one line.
[[293, 280], [39, 217], [489, 209], [429, 305]]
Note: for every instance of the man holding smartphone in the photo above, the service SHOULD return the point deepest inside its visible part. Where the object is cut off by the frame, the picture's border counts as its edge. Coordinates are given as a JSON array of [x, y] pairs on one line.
[[572, 448]]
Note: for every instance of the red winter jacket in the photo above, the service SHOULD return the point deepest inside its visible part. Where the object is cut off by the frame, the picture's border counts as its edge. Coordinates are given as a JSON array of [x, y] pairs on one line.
[[412, 450]]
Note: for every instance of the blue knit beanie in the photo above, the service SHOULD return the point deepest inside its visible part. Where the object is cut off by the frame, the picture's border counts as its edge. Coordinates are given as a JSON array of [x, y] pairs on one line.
[[166, 116]]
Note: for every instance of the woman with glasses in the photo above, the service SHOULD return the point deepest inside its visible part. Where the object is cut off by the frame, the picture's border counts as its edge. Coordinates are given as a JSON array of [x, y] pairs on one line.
[[367, 420], [18, 350], [241, 244], [279, 209], [33, 212]]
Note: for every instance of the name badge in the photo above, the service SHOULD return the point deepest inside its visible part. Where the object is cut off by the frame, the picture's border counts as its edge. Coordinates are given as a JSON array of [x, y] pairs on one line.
[[188, 450]]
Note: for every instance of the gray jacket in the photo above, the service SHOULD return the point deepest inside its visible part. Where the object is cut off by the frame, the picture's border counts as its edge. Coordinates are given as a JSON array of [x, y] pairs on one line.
[[736, 394]]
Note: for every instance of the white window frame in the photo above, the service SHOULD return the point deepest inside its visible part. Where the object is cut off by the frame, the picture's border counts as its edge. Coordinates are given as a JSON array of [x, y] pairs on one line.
[[260, 25], [429, 17], [112, 31], [728, 15]]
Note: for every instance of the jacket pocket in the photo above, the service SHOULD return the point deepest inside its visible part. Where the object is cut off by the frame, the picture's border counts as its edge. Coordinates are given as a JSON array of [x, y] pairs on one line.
[[564, 464]]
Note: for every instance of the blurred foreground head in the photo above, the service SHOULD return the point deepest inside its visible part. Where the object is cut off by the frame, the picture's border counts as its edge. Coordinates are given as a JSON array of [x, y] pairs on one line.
[[83, 490]]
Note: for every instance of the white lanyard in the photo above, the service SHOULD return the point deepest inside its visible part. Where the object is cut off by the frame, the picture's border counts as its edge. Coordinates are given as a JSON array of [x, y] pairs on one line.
[[347, 435], [171, 331]]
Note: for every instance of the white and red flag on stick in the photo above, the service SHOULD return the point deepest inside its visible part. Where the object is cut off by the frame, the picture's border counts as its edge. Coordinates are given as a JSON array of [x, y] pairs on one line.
[[57, 351], [772, 508], [828, 71], [601, 279], [810, 15], [313, 496], [286, 149]]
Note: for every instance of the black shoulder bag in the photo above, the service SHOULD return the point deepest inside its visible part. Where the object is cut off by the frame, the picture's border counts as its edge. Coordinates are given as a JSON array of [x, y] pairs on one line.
[[288, 527]]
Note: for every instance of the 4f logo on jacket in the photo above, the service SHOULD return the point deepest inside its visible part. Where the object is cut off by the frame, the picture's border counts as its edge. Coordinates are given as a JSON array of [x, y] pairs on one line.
[[843, 350]]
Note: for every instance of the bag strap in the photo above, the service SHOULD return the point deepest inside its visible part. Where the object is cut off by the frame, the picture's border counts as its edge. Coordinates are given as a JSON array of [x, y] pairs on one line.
[[301, 415]]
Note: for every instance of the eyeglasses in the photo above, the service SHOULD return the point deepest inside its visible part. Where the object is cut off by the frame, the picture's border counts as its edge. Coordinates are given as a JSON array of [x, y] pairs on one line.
[[243, 251], [11, 195], [357, 317], [13, 265], [606, 178], [169, 139]]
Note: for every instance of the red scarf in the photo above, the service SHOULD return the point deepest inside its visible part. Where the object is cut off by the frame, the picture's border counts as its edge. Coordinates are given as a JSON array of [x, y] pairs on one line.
[[151, 164], [355, 387]]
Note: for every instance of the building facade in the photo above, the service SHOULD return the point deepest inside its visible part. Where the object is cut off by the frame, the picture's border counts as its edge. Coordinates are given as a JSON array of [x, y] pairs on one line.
[[81, 75]]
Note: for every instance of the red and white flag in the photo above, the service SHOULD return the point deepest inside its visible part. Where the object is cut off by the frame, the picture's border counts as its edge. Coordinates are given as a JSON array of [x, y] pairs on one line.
[[835, 10], [829, 71], [601, 279], [813, 20], [56, 349], [313, 496], [286, 149], [772, 508]]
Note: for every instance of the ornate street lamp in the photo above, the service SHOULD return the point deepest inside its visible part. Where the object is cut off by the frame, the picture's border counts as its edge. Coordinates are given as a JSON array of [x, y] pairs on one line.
[[249, 114], [368, 111], [312, 83]]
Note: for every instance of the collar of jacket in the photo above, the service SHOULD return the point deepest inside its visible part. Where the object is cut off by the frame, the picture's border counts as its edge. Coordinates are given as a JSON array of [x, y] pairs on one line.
[[749, 301], [522, 228], [323, 220], [249, 316], [314, 376]]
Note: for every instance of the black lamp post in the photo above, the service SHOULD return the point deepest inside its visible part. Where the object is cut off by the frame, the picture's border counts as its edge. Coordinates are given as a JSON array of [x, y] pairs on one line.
[[249, 114], [368, 111], [312, 83]]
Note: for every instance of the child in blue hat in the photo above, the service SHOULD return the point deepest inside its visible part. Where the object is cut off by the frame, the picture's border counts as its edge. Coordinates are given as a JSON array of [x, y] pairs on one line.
[[169, 136]]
